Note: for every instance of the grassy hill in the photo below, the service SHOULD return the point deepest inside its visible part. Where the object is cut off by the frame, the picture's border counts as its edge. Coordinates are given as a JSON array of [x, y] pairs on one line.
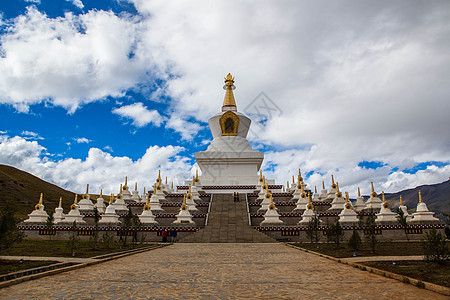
[[24, 189]]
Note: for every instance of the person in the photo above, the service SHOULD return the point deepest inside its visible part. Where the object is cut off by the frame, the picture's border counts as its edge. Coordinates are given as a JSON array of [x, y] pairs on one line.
[[164, 236], [237, 197], [174, 235]]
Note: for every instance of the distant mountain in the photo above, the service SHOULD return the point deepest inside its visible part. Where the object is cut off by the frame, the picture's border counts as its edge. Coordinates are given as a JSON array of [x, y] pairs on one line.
[[24, 189], [436, 197]]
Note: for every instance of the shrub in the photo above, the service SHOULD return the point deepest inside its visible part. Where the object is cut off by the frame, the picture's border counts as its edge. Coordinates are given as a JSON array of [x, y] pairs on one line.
[[435, 248], [420, 284], [355, 241]]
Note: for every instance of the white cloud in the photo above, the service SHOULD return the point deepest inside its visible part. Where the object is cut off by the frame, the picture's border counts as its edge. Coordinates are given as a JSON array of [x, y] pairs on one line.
[[99, 169], [77, 3], [31, 135], [33, 1], [70, 60], [186, 129], [82, 140], [140, 115]]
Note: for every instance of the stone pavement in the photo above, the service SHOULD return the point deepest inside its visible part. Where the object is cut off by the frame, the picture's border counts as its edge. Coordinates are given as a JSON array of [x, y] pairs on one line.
[[227, 223], [40, 258], [218, 271], [382, 258]]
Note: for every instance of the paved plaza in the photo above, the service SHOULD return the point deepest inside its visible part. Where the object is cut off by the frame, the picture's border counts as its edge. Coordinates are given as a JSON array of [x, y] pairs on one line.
[[218, 271]]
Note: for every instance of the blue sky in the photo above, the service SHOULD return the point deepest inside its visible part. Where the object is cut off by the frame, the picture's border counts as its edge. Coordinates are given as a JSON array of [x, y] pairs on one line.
[[92, 91]]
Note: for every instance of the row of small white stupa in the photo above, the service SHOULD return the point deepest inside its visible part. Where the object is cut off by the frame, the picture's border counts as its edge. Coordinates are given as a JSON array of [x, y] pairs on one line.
[[110, 215], [348, 210]]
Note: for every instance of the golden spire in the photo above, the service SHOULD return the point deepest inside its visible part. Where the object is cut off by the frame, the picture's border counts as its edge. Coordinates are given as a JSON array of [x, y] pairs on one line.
[[172, 185], [101, 193], [309, 197], [144, 190], [196, 174], [121, 188], [184, 199], [359, 193], [287, 184], [283, 189], [323, 185], [337, 187], [126, 180], [189, 190], [420, 197], [346, 196], [229, 87], [111, 198], [159, 174], [135, 186], [271, 199], [315, 189], [371, 184], [148, 199], [401, 200], [332, 179], [87, 189], [260, 173], [382, 196], [60, 202], [76, 199], [41, 198], [166, 179], [302, 189]]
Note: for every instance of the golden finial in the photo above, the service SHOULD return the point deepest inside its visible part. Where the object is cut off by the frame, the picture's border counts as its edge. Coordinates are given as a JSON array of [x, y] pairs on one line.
[[346, 196], [41, 198], [159, 174], [76, 199], [332, 179], [293, 180], [301, 188], [39, 205], [371, 184], [172, 185], [287, 184], [184, 199], [309, 197], [337, 187], [271, 199], [260, 173], [144, 190], [87, 189], [283, 189], [420, 197], [196, 174], [382, 196], [101, 193], [166, 179], [111, 198], [401, 200], [323, 185], [315, 189], [148, 199], [189, 191], [229, 87], [60, 202], [121, 189], [359, 192]]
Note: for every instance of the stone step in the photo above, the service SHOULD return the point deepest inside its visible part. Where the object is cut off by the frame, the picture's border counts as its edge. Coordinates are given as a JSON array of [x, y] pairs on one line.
[[227, 223]]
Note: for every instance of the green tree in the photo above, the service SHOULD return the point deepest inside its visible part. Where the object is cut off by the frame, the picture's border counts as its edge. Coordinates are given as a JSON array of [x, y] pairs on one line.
[[355, 241], [435, 248], [335, 233], [49, 223], [9, 234], [94, 238], [369, 231], [312, 230], [402, 220], [73, 238], [127, 224]]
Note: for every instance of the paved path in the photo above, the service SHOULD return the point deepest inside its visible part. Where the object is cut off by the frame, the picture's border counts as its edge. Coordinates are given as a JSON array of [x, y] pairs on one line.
[[383, 258], [218, 271], [60, 259]]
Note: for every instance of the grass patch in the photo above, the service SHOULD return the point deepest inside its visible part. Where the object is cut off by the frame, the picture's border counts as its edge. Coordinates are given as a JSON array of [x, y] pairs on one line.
[[382, 249], [420, 270], [10, 266], [61, 249]]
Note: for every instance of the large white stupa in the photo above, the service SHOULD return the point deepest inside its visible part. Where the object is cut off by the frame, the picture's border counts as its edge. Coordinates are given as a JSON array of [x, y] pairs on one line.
[[229, 159]]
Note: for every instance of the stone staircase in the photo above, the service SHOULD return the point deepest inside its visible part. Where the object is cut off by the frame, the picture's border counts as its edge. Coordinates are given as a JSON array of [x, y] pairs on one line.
[[227, 223]]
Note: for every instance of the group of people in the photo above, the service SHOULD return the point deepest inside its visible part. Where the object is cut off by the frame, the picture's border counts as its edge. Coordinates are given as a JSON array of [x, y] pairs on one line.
[[236, 197], [166, 234]]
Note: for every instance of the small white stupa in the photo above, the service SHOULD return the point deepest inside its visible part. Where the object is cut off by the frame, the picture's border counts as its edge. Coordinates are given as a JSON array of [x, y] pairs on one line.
[[159, 192], [293, 184], [385, 215], [110, 217], [359, 204], [332, 192], [147, 217], [265, 203], [184, 216], [422, 213], [154, 201], [308, 214], [404, 209], [323, 192], [126, 194], [297, 192], [119, 205], [260, 181], [271, 216], [85, 205], [302, 199], [264, 190], [59, 215], [316, 195], [135, 194], [194, 192], [348, 215], [197, 183], [38, 215], [373, 203], [338, 202], [190, 201], [74, 215], [100, 204]]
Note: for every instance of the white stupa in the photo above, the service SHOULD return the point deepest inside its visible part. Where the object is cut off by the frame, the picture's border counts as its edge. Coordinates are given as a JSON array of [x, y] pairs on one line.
[[338, 202], [147, 217], [59, 215], [159, 192], [135, 194], [271, 217], [422, 213], [194, 192], [316, 195], [110, 216], [190, 201], [229, 159], [125, 191], [297, 192], [359, 204], [100, 204], [323, 192], [265, 203], [302, 199], [348, 215], [119, 205], [308, 214], [386, 215], [332, 192], [264, 190], [38, 215], [294, 185], [184, 216], [74, 216], [260, 181], [404, 209], [85, 205], [373, 203], [154, 201]]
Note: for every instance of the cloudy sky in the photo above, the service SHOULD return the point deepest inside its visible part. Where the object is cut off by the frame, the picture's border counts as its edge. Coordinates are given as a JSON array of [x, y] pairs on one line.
[[91, 91]]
